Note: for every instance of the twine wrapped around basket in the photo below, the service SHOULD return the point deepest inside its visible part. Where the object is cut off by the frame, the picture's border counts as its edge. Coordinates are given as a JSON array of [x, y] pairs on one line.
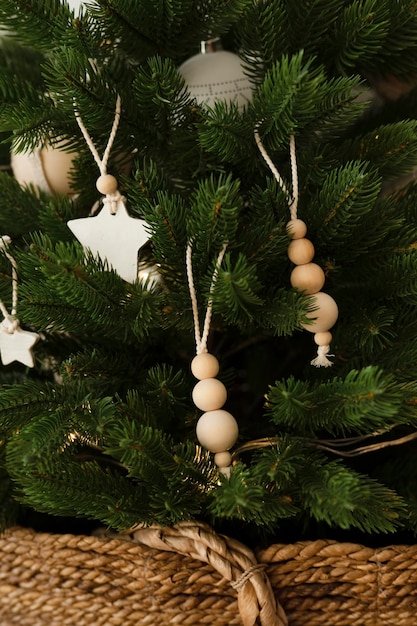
[[191, 576]]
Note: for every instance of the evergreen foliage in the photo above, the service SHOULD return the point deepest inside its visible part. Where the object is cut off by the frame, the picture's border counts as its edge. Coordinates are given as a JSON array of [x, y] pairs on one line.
[[103, 427]]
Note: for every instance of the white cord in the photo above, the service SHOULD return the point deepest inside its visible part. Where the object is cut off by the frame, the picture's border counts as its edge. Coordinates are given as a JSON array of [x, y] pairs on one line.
[[102, 163], [9, 324], [201, 339], [292, 200]]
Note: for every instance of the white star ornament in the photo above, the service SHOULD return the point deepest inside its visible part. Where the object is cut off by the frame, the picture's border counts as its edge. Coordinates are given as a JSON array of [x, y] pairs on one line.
[[16, 345], [114, 236]]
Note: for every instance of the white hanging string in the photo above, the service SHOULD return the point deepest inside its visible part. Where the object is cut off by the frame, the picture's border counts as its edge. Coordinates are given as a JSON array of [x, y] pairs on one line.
[[292, 199], [110, 199], [201, 339], [10, 323], [101, 162]]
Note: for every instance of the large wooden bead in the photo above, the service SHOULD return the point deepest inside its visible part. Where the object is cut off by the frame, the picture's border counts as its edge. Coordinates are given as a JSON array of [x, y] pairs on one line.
[[324, 315], [205, 365], [300, 251], [217, 430], [308, 277], [296, 228], [209, 394]]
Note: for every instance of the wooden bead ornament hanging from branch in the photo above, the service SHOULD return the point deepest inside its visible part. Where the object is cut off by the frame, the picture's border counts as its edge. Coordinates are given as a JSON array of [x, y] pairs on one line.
[[306, 276], [15, 344], [113, 234], [217, 429]]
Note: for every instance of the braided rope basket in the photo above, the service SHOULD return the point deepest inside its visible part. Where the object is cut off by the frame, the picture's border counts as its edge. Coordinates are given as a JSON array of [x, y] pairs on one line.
[[189, 575]]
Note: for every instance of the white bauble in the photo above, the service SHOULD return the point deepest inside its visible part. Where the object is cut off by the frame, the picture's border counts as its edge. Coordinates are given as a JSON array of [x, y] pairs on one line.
[[46, 168], [216, 75]]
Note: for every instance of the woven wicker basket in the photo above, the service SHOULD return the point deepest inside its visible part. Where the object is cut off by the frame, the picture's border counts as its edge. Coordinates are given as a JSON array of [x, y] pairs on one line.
[[189, 575]]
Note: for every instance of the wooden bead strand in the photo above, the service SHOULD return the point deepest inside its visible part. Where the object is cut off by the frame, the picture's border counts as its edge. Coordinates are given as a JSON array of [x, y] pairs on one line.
[[216, 429], [307, 276]]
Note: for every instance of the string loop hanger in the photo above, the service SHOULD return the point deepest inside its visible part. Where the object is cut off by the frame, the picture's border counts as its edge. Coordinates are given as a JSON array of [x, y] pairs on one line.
[[307, 276], [217, 429], [106, 183], [201, 338], [15, 344]]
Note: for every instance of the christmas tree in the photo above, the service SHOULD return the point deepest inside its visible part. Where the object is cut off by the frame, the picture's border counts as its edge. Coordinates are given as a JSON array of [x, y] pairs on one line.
[[103, 426]]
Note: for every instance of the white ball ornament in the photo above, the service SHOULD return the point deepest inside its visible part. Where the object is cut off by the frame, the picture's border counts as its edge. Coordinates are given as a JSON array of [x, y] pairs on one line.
[[300, 251], [217, 430], [209, 394], [47, 168], [324, 315], [308, 277], [216, 74], [205, 365]]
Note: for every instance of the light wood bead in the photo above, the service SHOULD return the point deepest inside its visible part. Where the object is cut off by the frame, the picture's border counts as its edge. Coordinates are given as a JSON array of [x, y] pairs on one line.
[[107, 184], [217, 430], [325, 314], [223, 459], [209, 394], [300, 251], [323, 338], [296, 228], [205, 365], [308, 277]]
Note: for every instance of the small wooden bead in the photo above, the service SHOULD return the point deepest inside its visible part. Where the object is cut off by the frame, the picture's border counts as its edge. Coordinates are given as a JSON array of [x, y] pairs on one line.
[[296, 228], [217, 430], [223, 459], [107, 184], [323, 338], [324, 315], [205, 365], [308, 277], [300, 251], [209, 394]]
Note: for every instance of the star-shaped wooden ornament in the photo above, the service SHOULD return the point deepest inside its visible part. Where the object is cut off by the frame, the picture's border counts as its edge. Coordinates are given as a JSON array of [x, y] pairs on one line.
[[16, 345], [114, 237]]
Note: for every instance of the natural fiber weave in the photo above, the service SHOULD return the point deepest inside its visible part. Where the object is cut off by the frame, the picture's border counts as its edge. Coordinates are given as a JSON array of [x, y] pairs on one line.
[[189, 575]]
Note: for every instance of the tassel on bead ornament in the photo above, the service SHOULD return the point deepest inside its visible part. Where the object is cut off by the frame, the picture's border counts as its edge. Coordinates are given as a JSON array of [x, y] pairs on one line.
[[307, 276], [217, 429]]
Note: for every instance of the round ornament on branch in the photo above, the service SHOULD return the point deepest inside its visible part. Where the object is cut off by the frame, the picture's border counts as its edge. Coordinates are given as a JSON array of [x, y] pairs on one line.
[[48, 168], [216, 75]]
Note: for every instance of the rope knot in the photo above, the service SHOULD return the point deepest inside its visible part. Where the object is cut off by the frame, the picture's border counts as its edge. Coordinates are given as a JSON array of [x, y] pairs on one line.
[[321, 359], [10, 324], [111, 201], [246, 576]]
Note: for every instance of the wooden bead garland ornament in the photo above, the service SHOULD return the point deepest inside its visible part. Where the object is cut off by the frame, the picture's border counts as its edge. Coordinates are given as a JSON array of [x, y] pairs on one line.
[[15, 344], [307, 276], [113, 234], [217, 429]]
